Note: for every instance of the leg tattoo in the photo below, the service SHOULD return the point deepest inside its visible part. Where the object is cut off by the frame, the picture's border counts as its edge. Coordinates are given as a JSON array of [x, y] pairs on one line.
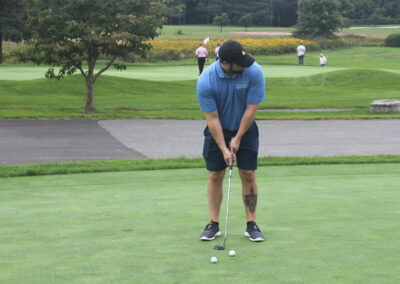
[[250, 200]]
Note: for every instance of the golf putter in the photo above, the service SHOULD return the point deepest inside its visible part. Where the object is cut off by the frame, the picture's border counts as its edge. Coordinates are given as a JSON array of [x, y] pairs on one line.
[[222, 247]]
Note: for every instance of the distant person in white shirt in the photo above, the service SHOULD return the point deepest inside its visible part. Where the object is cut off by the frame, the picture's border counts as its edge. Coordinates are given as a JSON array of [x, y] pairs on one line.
[[301, 51], [216, 51], [322, 60], [201, 54]]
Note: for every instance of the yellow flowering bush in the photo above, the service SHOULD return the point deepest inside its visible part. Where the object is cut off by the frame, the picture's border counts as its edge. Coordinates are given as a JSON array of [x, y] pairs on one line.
[[275, 45], [180, 49]]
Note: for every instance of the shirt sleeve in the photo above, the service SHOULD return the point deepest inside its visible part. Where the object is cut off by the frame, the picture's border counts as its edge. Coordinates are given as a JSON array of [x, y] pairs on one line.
[[256, 92], [205, 96]]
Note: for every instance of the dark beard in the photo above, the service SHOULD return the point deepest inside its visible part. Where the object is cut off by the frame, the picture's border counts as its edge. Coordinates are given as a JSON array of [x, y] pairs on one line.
[[231, 71]]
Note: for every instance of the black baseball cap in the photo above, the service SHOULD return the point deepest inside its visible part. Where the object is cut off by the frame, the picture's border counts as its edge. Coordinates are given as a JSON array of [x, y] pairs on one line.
[[233, 52]]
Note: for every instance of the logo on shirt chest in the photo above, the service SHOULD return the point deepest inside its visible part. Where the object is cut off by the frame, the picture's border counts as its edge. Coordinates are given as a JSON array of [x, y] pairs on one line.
[[241, 86]]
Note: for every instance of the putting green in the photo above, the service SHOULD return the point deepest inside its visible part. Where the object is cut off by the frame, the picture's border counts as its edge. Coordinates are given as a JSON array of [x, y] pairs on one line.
[[167, 73], [377, 58], [324, 224], [22, 73]]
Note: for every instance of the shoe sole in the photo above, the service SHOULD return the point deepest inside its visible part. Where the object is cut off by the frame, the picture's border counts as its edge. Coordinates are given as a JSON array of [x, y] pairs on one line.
[[246, 234], [210, 239]]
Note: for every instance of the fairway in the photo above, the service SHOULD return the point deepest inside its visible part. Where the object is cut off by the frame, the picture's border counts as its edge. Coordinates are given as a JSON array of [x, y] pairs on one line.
[[377, 30], [323, 224], [202, 31]]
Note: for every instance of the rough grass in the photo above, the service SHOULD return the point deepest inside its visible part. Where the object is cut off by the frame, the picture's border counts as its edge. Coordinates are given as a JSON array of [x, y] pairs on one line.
[[176, 163], [127, 98]]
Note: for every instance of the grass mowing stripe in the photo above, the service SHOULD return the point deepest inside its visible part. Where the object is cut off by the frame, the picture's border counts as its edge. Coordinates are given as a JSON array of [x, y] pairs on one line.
[[176, 163]]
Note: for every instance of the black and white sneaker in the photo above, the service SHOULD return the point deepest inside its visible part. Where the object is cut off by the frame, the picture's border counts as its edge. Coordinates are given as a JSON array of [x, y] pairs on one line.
[[253, 232], [210, 232]]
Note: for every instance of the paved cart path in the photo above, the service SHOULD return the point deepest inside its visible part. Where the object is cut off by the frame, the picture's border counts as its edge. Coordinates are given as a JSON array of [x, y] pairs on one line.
[[35, 141], [38, 141]]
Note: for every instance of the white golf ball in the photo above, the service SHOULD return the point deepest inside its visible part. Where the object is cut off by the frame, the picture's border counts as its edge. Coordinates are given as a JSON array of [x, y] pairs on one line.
[[214, 259], [232, 253]]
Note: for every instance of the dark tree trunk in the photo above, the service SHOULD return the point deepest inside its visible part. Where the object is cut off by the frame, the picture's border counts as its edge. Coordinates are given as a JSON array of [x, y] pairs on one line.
[[90, 80], [1, 48], [89, 108]]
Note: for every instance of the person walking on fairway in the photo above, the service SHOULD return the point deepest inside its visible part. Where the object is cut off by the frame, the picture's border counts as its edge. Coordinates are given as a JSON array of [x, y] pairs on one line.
[[322, 60], [229, 92], [201, 54], [301, 51]]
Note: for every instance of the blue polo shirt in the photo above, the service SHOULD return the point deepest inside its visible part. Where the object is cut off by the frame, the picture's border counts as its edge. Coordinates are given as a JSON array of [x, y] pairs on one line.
[[230, 94]]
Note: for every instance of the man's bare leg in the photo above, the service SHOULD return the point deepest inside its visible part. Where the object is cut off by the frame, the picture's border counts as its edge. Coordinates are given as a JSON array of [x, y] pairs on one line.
[[215, 193], [249, 193]]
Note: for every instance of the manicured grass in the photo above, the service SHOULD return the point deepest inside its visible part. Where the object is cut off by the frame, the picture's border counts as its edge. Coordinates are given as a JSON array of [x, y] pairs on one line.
[[381, 58], [357, 57], [378, 30], [340, 89], [167, 73], [200, 32], [324, 224], [176, 163], [184, 72], [167, 90], [22, 72], [127, 98]]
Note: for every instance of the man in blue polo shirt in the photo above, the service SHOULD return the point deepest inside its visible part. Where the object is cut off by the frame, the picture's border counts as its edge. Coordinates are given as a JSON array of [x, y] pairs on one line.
[[229, 92]]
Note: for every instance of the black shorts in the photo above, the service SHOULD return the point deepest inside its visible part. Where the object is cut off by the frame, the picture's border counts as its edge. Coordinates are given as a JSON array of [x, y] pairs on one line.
[[246, 156]]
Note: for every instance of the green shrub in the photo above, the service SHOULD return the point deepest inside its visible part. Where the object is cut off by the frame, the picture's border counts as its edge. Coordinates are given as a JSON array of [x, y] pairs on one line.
[[332, 43], [167, 55], [363, 40], [393, 40], [10, 52]]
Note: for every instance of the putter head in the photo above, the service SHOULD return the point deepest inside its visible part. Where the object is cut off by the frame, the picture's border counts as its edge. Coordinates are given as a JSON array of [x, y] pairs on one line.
[[219, 247]]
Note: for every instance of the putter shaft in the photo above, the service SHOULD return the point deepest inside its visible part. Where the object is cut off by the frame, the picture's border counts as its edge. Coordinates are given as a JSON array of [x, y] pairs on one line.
[[222, 247], [227, 204]]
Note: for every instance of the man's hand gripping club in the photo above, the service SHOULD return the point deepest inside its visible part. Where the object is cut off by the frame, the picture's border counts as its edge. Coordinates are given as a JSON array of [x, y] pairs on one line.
[[230, 154]]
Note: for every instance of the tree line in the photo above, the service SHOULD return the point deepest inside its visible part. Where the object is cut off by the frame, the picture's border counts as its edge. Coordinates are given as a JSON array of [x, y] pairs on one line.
[[280, 13]]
